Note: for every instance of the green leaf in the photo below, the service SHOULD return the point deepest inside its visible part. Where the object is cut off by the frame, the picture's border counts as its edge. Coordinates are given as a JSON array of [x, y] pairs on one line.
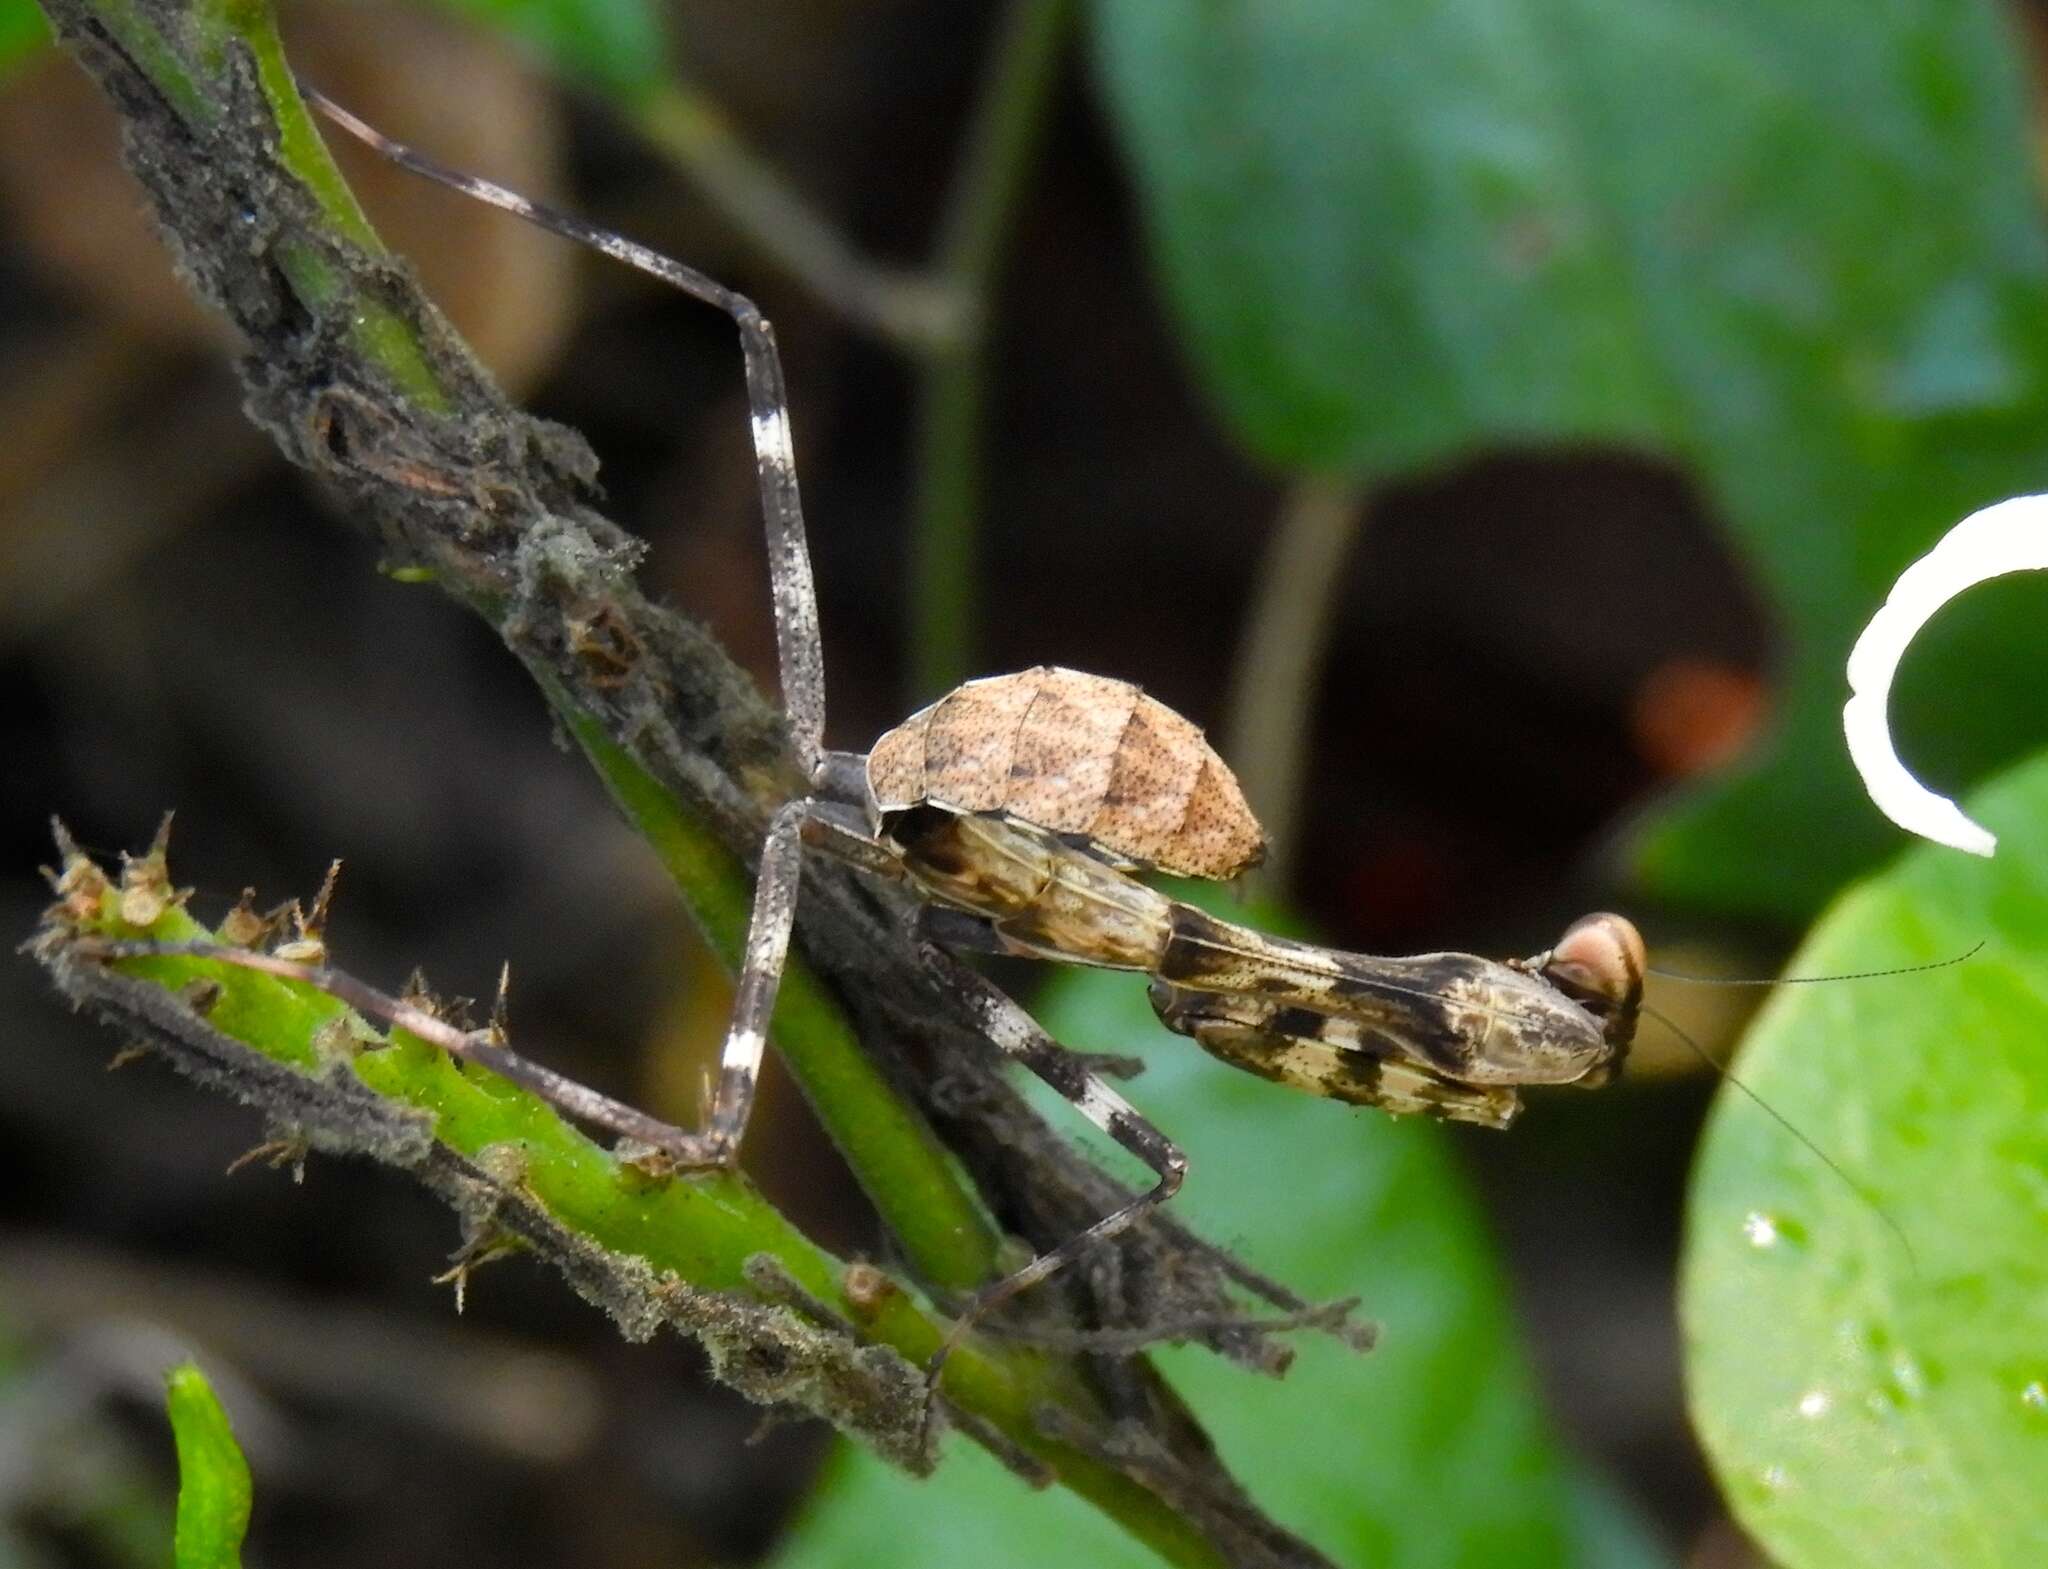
[[615, 47], [867, 1514], [1431, 1450], [1865, 1405], [1796, 249], [213, 1478]]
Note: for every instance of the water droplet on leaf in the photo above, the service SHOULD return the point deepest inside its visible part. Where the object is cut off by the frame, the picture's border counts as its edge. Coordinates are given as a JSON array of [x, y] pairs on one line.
[[1908, 1378]]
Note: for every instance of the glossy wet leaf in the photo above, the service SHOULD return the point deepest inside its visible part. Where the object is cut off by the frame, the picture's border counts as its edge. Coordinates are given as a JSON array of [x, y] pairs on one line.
[[213, 1478], [1865, 1406], [1432, 1450], [1795, 249]]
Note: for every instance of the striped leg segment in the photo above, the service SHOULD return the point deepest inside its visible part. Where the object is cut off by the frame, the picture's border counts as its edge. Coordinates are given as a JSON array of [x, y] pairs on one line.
[[789, 562], [775, 894], [1017, 1033], [797, 638], [485, 1047]]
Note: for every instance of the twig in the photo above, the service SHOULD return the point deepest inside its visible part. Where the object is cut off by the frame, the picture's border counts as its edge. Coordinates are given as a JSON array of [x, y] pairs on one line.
[[625, 1241], [362, 383], [649, 1249], [952, 381], [1272, 690], [906, 310], [939, 318]]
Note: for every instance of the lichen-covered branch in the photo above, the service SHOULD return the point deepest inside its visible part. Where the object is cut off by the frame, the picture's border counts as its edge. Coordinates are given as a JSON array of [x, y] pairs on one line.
[[361, 382], [782, 1320]]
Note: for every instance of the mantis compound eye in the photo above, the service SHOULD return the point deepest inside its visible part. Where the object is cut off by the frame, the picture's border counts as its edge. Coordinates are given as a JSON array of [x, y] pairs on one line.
[[1599, 963]]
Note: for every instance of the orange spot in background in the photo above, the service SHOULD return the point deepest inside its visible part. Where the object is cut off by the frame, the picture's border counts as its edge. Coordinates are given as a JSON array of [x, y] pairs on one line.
[[1691, 716]]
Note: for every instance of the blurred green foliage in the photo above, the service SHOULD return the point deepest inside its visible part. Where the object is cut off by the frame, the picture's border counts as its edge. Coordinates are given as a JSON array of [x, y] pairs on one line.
[[856, 1516], [213, 1478], [1863, 1404], [1796, 249], [618, 48], [23, 33], [1431, 1450], [859, 1515]]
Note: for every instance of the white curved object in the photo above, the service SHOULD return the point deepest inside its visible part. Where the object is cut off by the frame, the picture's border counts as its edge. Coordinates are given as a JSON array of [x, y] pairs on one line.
[[2010, 536]]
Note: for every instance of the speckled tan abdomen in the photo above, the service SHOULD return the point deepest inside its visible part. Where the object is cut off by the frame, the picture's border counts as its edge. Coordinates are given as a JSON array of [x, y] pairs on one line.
[[1076, 754]]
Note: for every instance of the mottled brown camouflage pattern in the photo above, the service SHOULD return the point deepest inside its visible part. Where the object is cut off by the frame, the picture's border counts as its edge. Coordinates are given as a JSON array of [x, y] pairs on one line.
[[1075, 754]]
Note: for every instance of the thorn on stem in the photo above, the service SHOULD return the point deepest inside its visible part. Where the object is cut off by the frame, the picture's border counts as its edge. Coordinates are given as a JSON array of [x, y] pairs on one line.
[[309, 946], [276, 1154], [486, 1243], [242, 927], [501, 1013]]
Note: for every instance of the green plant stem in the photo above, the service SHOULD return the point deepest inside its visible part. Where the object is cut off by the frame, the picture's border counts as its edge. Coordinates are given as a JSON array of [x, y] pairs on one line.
[[349, 371], [705, 1228], [1009, 120], [898, 1162], [383, 336], [906, 1173]]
